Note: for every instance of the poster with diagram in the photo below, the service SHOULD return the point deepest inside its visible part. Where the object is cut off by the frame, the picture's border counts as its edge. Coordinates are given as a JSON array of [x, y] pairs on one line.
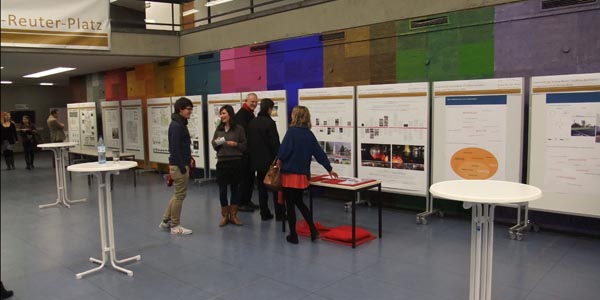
[[159, 118], [88, 125], [111, 124], [332, 117], [73, 121], [214, 104], [565, 143], [393, 140], [478, 127], [133, 127], [279, 114], [196, 129]]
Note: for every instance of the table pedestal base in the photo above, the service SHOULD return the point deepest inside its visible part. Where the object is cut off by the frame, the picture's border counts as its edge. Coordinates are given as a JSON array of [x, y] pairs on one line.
[[61, 181], [482, 242]]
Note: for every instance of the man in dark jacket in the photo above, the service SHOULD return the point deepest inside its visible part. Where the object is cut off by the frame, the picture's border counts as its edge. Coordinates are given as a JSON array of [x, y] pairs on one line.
[[263, 145], [243, 118], [180, 157]]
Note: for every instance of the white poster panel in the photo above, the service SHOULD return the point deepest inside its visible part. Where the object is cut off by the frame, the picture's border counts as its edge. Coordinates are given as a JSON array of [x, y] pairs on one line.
[[564, 156], [73, 121], [111, 124], [473, 137], [133, 127], [279, 114], [393, 135], [88, 125], [195, 128], [82, 24], [214, 104], [159, 118], [332, 117]]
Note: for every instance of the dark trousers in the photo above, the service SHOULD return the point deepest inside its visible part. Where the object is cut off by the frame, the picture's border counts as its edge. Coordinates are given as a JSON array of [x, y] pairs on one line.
[[9, 158], [293, 199], [235, 194], [29, 154], [247, 182], [263, 197]]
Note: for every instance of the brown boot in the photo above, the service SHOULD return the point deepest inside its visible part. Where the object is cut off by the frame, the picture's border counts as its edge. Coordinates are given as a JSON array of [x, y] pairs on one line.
[[233, 218], [224, 216]]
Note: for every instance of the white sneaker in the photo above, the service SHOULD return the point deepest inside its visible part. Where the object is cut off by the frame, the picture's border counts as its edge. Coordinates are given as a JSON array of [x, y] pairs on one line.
[[164, 226], [180, 230]]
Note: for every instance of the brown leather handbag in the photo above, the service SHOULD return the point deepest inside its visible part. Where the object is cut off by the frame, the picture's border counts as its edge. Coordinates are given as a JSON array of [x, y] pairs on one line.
[[273, 178]]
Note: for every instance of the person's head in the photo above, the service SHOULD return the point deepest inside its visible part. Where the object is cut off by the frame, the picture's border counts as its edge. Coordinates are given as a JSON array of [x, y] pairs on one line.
[[227, 115], [6, 116], [252, 100], [184, 107], [25, 120], [266, 106], [54, 113], [301, 117]]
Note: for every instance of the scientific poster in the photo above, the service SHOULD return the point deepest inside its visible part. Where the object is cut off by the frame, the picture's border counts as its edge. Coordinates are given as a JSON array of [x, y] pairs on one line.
[[111, 120], [332, 117], [73, 120], [392, 130], [132, 128], [159, 119], [88, 126], [214, 104]]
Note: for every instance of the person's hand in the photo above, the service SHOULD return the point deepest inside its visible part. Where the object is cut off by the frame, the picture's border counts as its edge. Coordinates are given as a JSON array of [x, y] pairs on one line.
[[333, 174], [278, 163], [232, 143]]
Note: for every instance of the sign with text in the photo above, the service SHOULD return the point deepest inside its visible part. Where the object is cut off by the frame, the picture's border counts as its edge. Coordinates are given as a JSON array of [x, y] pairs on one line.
[[82, 24]]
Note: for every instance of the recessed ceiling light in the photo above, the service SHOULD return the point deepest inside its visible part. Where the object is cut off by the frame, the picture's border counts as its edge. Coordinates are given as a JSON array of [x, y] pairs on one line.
[[49, 72], [216, 2], [149, 21], [6, 82], [46, 83], [189, 12], [1, 68]]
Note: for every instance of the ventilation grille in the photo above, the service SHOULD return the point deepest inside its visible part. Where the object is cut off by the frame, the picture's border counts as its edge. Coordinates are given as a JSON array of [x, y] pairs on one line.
[[163, 63], [206, 56], [333, 36], [549, 4], [259, 48], [429, 22]]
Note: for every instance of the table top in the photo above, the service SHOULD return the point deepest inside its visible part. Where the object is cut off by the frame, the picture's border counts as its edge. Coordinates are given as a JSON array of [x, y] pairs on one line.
[[108, 166], [485, 191], [367, 184], [58, 145], [90, 152]]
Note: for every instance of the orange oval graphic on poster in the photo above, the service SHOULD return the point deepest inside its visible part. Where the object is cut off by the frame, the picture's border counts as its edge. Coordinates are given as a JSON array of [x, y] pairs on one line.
[[474, 163]]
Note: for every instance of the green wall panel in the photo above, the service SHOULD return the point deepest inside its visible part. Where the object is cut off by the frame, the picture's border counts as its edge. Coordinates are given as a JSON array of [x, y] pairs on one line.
[[203, 74]]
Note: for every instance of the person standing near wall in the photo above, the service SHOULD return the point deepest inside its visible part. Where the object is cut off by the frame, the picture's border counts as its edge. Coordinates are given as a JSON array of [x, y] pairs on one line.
[[229, 140], [28, 139], [263, 145], [180, 158], [243, 118], [57, 135], [9, 138]]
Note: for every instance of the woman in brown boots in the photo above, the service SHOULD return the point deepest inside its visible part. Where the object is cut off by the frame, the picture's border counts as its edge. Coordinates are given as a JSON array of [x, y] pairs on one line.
[[229, 141]]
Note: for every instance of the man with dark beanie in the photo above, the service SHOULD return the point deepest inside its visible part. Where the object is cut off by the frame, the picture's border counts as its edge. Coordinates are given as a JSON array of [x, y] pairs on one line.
[[243, 118]]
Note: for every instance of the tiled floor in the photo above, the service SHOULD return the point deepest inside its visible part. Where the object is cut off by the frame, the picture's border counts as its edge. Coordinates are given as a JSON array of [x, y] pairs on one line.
[[43, 249]]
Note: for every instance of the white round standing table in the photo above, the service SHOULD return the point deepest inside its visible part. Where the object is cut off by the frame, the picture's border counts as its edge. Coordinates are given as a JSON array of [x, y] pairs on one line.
[[482, 196], [59, 150], [107, 236]]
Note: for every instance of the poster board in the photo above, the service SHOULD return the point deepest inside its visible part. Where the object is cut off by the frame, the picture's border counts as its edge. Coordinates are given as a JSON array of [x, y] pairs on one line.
[[111, 125], [196, 128], [88, 126], [133, 127], [392, 124], [279, 115], [214, 103], [478, 129], [73, 122], [564, 137], [332, 114], [159, 118]]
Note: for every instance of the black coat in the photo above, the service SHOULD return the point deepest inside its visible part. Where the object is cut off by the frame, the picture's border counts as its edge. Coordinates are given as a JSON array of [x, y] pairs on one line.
[[243, 117], [263, 142]]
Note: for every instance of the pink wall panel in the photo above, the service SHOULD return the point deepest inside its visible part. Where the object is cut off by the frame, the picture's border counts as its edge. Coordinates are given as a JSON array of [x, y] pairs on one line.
[[243, 70]]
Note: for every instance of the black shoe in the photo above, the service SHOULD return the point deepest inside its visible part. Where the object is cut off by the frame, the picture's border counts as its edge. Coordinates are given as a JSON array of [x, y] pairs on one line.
[[253, 205], [28, 167], [292, 239], [314, 236], [246, 208], [280, 218], [6, 294], [266, 217]]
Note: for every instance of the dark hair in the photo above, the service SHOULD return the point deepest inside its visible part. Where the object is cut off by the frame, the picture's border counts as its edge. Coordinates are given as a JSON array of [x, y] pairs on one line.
[[231, 113], [182, 103], [54, 111], [265, 105]]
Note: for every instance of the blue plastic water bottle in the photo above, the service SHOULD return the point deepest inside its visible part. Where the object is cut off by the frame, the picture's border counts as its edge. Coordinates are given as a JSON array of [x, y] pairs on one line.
[[101, 151]]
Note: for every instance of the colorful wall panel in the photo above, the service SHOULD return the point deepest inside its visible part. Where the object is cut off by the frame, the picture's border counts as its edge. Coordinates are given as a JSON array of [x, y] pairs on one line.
[[78, 89], [382, 59], [243, 69], [294, 64], [140, 82], [169, 78], [346, 60], [115, 85], [203, 74]]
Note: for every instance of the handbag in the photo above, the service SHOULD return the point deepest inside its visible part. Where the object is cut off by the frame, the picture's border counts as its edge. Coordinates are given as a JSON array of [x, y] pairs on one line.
[[273, 178]]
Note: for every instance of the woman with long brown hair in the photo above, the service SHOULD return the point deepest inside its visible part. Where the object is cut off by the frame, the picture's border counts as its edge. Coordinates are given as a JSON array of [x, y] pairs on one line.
[[9, 138]]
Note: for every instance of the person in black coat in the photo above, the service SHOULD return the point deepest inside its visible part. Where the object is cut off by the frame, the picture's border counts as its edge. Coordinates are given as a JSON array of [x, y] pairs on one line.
[[9, 138], [243, 118], [263, 145]]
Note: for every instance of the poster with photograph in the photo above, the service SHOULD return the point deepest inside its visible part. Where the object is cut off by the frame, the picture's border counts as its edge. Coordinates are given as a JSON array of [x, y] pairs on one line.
[[332, 118], [279, 114], [159, 118], [214, 104], [392, 129], [111, 124], [87, 125], [133, 127], [73, 121]]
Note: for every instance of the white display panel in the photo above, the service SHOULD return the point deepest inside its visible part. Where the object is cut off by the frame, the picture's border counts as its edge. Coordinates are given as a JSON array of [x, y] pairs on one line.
[[564, 137], [133, 127], [279, 114], [214, 103], [88, 126], [195, 128], [332, 117], [478, 129], [159, 118], [73, 120], [393, 135], [111, 124]]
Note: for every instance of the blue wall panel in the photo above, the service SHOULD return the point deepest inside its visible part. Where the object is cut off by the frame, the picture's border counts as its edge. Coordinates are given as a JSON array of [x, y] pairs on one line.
[[203, 74]]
